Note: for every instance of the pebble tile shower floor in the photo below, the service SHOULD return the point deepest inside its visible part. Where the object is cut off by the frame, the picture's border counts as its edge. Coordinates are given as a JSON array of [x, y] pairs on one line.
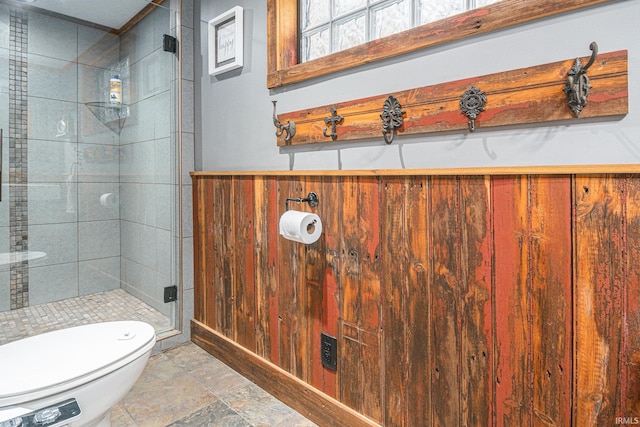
[[101, 307]]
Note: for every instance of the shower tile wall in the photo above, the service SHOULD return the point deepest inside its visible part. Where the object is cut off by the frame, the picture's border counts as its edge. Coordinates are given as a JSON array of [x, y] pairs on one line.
[[70, 66], [73, 159], [93, 244]]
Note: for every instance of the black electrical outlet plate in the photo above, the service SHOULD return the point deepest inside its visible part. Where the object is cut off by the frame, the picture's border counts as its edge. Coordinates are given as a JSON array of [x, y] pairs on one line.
[[170, 293], [329, 351]]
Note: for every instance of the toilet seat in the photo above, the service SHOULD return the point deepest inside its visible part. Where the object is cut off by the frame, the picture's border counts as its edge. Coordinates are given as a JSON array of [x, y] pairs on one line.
[[57, 361]]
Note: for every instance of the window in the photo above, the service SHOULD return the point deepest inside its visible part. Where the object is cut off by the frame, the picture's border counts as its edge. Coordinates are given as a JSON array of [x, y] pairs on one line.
[[328, 26], [284, 66]]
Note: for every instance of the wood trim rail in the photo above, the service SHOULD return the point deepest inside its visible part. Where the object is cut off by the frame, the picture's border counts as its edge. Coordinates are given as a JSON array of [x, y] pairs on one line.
[[527, 95], [502, 170], [278, 382], [282, 38]]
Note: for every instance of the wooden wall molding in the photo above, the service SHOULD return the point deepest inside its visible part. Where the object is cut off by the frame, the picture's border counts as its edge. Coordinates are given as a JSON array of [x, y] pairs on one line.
[[527, 95], [504, 170], [310, 402]]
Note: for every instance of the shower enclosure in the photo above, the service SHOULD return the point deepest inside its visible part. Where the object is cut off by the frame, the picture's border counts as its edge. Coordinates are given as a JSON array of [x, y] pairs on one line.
[[90, 192]]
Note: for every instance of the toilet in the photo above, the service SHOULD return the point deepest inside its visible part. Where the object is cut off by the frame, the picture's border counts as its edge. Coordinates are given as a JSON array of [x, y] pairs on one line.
[[74, 376]]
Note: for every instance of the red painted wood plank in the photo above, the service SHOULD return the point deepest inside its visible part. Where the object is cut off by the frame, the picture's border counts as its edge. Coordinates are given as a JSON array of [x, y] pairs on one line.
[[476, 385], [290, 278], [223, 257], [370, 277], [630, 375], [331, 230], [598, 290], [419, 317], [200, 247], [349, 348], [272, 283], [312, 309], [512, 331], [208, 256], [445, 299], [262, 266], [266, 267], [551, 278], [394, 253], [244, 263]]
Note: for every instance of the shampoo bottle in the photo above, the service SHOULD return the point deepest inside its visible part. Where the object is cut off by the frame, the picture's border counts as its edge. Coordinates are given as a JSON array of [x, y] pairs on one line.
[[115, 90]]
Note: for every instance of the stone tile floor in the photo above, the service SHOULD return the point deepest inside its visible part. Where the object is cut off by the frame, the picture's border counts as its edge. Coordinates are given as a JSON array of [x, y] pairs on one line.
[[186, 386]]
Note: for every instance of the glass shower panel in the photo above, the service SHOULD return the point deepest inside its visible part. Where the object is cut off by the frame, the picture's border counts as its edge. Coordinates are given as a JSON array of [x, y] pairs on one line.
[[89, 191], [148, 202]]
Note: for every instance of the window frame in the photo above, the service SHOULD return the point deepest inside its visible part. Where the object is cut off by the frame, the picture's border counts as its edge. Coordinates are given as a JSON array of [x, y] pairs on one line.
[[282, 36]]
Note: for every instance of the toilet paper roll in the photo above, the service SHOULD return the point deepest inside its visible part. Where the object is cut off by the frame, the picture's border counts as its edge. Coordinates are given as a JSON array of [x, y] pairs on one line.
[[106, 200], [303, 227]]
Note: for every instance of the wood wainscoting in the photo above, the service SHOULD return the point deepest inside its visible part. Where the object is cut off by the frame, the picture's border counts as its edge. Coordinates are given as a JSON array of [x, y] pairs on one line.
[[485, 298]]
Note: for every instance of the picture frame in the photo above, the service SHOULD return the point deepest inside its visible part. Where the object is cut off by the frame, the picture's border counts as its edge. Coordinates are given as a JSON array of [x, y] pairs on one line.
[[225, 33]]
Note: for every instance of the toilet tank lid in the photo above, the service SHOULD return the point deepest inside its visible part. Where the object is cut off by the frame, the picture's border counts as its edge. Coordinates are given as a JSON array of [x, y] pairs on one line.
[[57, 357]]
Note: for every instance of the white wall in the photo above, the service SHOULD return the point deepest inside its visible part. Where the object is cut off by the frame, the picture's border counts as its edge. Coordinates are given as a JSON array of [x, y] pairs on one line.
[[234, 129]]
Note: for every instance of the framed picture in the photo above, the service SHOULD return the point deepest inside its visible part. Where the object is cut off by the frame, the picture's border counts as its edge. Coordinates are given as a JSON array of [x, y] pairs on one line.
[[225, 41]]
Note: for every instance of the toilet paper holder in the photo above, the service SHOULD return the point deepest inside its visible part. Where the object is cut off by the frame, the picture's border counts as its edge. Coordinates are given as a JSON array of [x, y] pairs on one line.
[[312, 199]]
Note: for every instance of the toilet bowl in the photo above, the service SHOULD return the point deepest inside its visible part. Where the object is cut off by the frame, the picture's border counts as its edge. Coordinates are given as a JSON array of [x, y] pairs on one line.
[[72, 377]]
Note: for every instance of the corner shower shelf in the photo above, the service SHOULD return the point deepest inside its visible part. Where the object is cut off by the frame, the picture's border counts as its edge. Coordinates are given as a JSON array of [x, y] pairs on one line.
[[112, 116]]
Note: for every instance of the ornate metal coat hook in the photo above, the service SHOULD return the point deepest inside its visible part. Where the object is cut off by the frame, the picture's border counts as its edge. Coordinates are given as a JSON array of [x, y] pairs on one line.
[[391, 118], [289, 130], [472, 103], [334, 119], [577, 87]]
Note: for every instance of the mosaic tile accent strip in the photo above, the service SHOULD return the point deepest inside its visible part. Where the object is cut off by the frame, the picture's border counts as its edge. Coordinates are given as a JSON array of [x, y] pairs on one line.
[[101, 307], [18, 172]]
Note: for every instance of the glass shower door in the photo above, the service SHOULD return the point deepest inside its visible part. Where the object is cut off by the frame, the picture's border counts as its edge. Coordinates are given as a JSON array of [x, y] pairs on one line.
[[89, 188]]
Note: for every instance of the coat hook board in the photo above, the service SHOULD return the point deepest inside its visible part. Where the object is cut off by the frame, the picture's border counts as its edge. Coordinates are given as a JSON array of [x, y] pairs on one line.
[[530, 95]]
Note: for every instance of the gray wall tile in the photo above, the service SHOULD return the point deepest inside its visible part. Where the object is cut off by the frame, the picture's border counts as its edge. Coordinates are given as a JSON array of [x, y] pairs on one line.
[[98, 239], [98, 201], [49, 112], [99, 275], [52, 78], [58, 241], [53, 37], [53, 283]]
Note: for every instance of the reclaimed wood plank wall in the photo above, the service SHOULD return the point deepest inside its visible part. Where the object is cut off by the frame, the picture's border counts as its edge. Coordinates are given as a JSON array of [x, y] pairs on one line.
[[456, 300]]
